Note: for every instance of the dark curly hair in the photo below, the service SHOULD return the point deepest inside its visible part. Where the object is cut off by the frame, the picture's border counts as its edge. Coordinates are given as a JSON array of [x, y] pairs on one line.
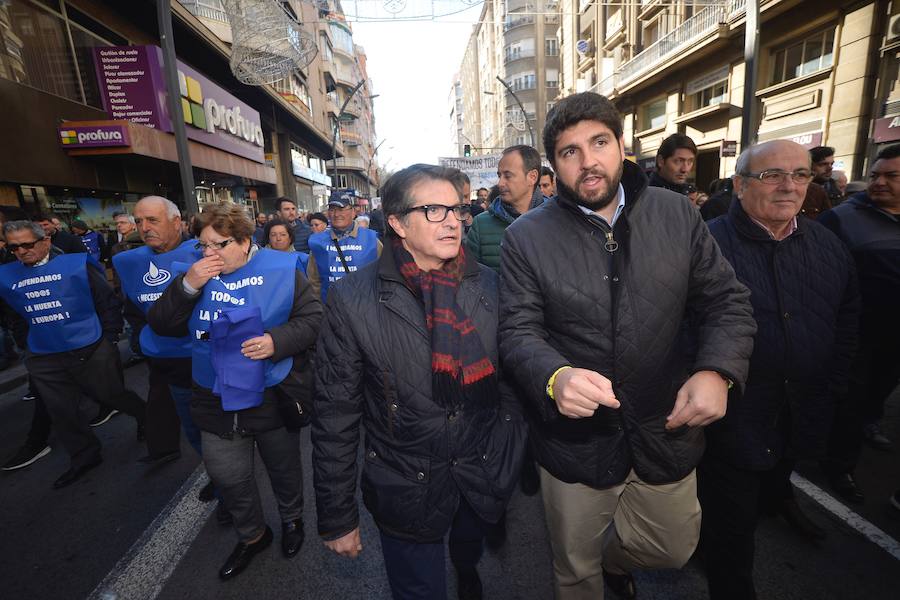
[[571, 110]]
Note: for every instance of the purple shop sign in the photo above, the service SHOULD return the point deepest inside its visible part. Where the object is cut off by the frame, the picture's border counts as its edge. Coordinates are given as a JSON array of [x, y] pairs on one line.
[[133, 88], [132, 85], [93, 136]]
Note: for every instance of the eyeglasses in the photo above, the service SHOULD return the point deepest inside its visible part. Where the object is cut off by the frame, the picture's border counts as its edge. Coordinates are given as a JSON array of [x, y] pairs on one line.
[[777, 176], [437, 213], [213, 245], [24, 246]]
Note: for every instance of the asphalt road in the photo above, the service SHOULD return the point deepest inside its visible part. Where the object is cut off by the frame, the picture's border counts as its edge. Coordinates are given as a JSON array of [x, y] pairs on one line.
[[126, 532]]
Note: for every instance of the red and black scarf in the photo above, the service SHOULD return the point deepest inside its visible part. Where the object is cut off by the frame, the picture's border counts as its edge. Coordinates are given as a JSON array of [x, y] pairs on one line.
[[461, 369]]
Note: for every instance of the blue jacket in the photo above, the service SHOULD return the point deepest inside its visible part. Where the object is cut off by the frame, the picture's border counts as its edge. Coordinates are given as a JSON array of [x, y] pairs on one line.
[[806, 305]]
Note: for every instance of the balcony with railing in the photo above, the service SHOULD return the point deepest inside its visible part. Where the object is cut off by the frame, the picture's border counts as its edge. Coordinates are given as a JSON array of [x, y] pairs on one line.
[[524, 53], [706, 22], [514, 20], [351, 163], [207, 9]]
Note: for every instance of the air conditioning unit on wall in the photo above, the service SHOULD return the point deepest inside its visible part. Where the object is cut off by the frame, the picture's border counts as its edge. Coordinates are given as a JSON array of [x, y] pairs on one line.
[[893, 31]]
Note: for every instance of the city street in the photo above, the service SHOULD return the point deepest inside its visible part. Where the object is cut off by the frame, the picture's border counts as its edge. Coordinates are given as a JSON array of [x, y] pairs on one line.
[[129, 533]]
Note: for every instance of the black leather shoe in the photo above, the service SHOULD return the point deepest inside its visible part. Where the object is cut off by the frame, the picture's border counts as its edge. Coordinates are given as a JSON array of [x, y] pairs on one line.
[[159, 459], [845, 486], [468, 584], [207, 493], [243, 554], [291, 537], [75, 473], [799, 522], [622, 585]]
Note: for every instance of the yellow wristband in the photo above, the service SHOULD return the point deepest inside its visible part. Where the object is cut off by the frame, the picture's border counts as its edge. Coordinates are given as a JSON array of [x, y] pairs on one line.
[[553, 380]]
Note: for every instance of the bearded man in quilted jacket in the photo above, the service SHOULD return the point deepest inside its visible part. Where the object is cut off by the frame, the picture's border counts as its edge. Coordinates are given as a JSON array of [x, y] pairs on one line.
[[595, 289]]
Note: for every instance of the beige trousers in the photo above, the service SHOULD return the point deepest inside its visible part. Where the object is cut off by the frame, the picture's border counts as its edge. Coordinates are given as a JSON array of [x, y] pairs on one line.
[[627, 526]]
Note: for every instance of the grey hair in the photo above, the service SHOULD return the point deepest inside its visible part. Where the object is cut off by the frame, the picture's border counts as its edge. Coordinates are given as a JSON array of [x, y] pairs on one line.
[[127, 216], [172, 209], [31, 226]]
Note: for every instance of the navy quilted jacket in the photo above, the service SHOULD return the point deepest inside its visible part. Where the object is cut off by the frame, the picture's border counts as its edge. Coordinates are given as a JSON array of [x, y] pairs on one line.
[[806, 305], [565, 300], [373, 368]]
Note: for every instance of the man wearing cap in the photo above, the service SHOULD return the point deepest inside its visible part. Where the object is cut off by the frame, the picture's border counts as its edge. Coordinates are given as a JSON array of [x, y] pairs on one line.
[[343, 248]]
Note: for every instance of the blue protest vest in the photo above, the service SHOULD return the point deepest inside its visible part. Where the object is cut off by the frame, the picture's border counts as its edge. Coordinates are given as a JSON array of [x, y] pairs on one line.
[[302, 261], [145, 275], [358, 251], [92, 242], [267, 281], [56, 302]]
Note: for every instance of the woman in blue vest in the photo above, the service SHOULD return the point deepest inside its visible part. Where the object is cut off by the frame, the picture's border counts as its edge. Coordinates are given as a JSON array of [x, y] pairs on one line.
[[279, 235], [253, 317]]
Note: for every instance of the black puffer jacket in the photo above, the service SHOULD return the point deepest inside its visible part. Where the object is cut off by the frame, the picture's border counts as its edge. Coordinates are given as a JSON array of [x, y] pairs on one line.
[[567, 301], [806, 306], [282, 403], [373, 367]]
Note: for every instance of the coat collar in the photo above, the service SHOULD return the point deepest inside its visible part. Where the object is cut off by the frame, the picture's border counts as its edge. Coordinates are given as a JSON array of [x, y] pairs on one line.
[[749, 229]]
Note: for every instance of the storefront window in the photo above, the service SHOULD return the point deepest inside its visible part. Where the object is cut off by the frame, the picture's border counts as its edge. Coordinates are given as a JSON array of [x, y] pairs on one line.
[[35, 50], [812, 54]]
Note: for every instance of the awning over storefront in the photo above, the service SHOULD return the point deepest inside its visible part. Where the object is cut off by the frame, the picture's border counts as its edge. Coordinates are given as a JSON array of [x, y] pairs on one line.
[[119, 137]]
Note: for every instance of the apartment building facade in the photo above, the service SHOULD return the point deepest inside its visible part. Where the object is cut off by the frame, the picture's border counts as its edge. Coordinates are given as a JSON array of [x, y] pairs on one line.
[[516, 41], [826, 74]]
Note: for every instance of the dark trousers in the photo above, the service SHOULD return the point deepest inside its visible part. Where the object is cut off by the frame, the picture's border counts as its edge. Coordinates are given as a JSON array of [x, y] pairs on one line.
[[874, 375], [732, 499], [230, 464], [417, 571], [61, 378], [40, 422], [168, 411]]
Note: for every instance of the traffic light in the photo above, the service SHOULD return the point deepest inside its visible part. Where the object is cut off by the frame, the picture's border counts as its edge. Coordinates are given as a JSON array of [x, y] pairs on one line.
[[467, 150]]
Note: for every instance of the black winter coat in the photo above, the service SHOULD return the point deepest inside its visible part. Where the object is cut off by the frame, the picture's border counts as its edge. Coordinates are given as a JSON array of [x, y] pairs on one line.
[[373, 367], [806, 306], [282, 403], [567, 301]]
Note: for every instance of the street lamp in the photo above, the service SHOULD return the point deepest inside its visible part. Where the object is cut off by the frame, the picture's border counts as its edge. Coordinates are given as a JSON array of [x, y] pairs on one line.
[[334, 133], [372, 158], [521, 107]]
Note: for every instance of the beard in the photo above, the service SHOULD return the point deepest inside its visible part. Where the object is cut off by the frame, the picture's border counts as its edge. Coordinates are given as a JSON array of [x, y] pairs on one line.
[[593, 203]]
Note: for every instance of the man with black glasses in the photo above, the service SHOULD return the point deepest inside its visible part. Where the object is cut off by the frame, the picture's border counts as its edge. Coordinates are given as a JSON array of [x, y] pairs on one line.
[[408, 351], [806, 305]]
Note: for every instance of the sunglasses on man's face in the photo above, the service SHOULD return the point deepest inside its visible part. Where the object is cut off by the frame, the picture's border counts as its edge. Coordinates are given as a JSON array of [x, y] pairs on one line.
[[23, 246]]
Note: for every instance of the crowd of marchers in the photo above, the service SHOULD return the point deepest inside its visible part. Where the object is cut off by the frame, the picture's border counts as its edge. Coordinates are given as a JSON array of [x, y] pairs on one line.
[[654, 361]]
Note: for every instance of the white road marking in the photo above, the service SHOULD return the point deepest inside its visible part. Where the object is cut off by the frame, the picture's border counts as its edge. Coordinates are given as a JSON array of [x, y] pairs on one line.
[[143, 571], [837, 508]]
